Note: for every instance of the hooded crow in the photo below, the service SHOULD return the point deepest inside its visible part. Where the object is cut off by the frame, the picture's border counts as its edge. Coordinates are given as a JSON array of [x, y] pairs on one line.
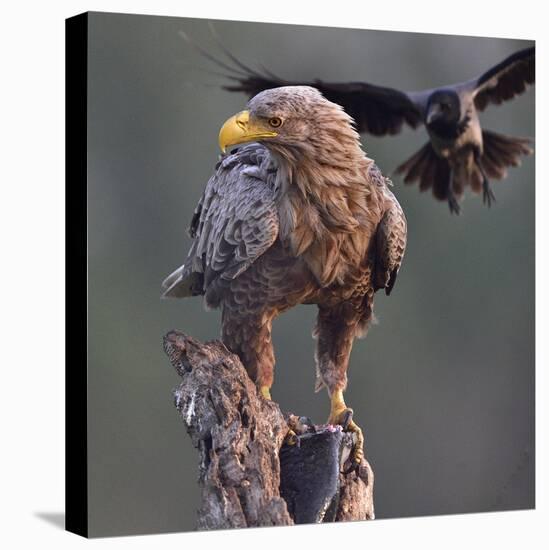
[[459, 152]]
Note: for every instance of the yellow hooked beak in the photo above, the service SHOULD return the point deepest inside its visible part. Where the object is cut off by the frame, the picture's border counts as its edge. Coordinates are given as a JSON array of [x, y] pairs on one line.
[[239, 129]]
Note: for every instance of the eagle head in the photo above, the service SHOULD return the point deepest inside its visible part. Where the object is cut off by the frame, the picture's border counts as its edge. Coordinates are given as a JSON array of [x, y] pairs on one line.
[[289, 116]]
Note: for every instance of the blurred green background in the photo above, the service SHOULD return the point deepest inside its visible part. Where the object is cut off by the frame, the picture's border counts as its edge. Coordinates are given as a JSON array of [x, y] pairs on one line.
[[443, 385]]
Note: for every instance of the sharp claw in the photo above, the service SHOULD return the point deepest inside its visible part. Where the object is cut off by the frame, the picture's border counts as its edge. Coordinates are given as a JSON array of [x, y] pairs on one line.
[[488, 197], [454, 206], [358, 451], [343, 416], [346, 419], [353, 466], [353, 463]]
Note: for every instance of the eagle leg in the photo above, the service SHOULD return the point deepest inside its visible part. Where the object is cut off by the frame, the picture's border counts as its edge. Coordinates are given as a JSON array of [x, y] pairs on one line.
[[251, 340], [336, 329], [341, 415], [250, 337], [265, 391]]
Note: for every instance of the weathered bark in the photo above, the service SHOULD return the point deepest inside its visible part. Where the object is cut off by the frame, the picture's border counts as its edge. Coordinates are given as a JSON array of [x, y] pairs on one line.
[[240, 437]]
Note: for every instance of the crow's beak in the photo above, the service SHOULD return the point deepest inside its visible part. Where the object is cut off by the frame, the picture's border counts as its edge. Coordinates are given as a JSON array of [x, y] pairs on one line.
[[433, 113]]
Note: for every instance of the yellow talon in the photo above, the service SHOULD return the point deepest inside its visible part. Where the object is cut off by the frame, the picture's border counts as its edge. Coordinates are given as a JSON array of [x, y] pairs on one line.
[[342, 415], [358, 451], [265, 392], [290, 438], [338, 408]]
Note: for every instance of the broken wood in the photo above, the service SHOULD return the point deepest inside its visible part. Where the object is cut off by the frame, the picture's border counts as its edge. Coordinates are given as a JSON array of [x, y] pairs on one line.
[[249, 475]]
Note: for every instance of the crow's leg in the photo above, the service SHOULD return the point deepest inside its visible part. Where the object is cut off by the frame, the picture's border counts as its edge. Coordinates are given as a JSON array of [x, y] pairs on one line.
[[453, 203], [336, 329], [488, 196]]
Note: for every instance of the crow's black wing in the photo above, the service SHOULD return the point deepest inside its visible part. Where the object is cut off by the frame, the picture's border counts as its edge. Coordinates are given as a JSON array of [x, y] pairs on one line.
[[375, 109], [506, 80]]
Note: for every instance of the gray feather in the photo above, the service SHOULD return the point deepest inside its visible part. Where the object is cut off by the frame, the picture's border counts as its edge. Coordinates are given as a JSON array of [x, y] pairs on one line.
[[235, 223]]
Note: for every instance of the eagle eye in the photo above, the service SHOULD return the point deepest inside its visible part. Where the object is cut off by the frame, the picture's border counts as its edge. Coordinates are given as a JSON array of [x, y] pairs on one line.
[[275, 122]]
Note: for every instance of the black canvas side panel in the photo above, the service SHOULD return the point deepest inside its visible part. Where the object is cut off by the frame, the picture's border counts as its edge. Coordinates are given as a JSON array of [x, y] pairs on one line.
[[76, 401]]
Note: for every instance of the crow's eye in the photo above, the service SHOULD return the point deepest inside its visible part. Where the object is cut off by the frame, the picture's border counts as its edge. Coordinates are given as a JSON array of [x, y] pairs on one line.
[[275, 122]]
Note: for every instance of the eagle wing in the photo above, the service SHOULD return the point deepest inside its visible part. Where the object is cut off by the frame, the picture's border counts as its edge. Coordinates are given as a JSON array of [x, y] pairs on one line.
[[235, 222], [390, 244], [505, 80]]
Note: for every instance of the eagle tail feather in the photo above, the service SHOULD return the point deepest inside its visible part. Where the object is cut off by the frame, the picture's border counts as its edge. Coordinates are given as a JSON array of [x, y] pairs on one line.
[[181, 284]]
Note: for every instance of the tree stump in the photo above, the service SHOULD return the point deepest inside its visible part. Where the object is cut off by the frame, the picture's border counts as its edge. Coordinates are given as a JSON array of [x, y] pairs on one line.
[[250, 476]]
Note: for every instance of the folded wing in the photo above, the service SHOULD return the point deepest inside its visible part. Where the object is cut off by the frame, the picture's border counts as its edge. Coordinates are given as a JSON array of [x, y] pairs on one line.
[[235, 222], [390, 244]]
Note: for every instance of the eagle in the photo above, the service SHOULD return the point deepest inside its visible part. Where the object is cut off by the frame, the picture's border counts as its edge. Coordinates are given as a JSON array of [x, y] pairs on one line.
[[459, 153], [297, 214]]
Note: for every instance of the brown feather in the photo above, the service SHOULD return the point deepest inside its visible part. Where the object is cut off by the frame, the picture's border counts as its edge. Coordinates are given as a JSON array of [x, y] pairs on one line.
[[316, 223]]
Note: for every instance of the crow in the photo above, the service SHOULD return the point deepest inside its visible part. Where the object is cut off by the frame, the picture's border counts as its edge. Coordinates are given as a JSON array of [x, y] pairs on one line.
[[459, 152]]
